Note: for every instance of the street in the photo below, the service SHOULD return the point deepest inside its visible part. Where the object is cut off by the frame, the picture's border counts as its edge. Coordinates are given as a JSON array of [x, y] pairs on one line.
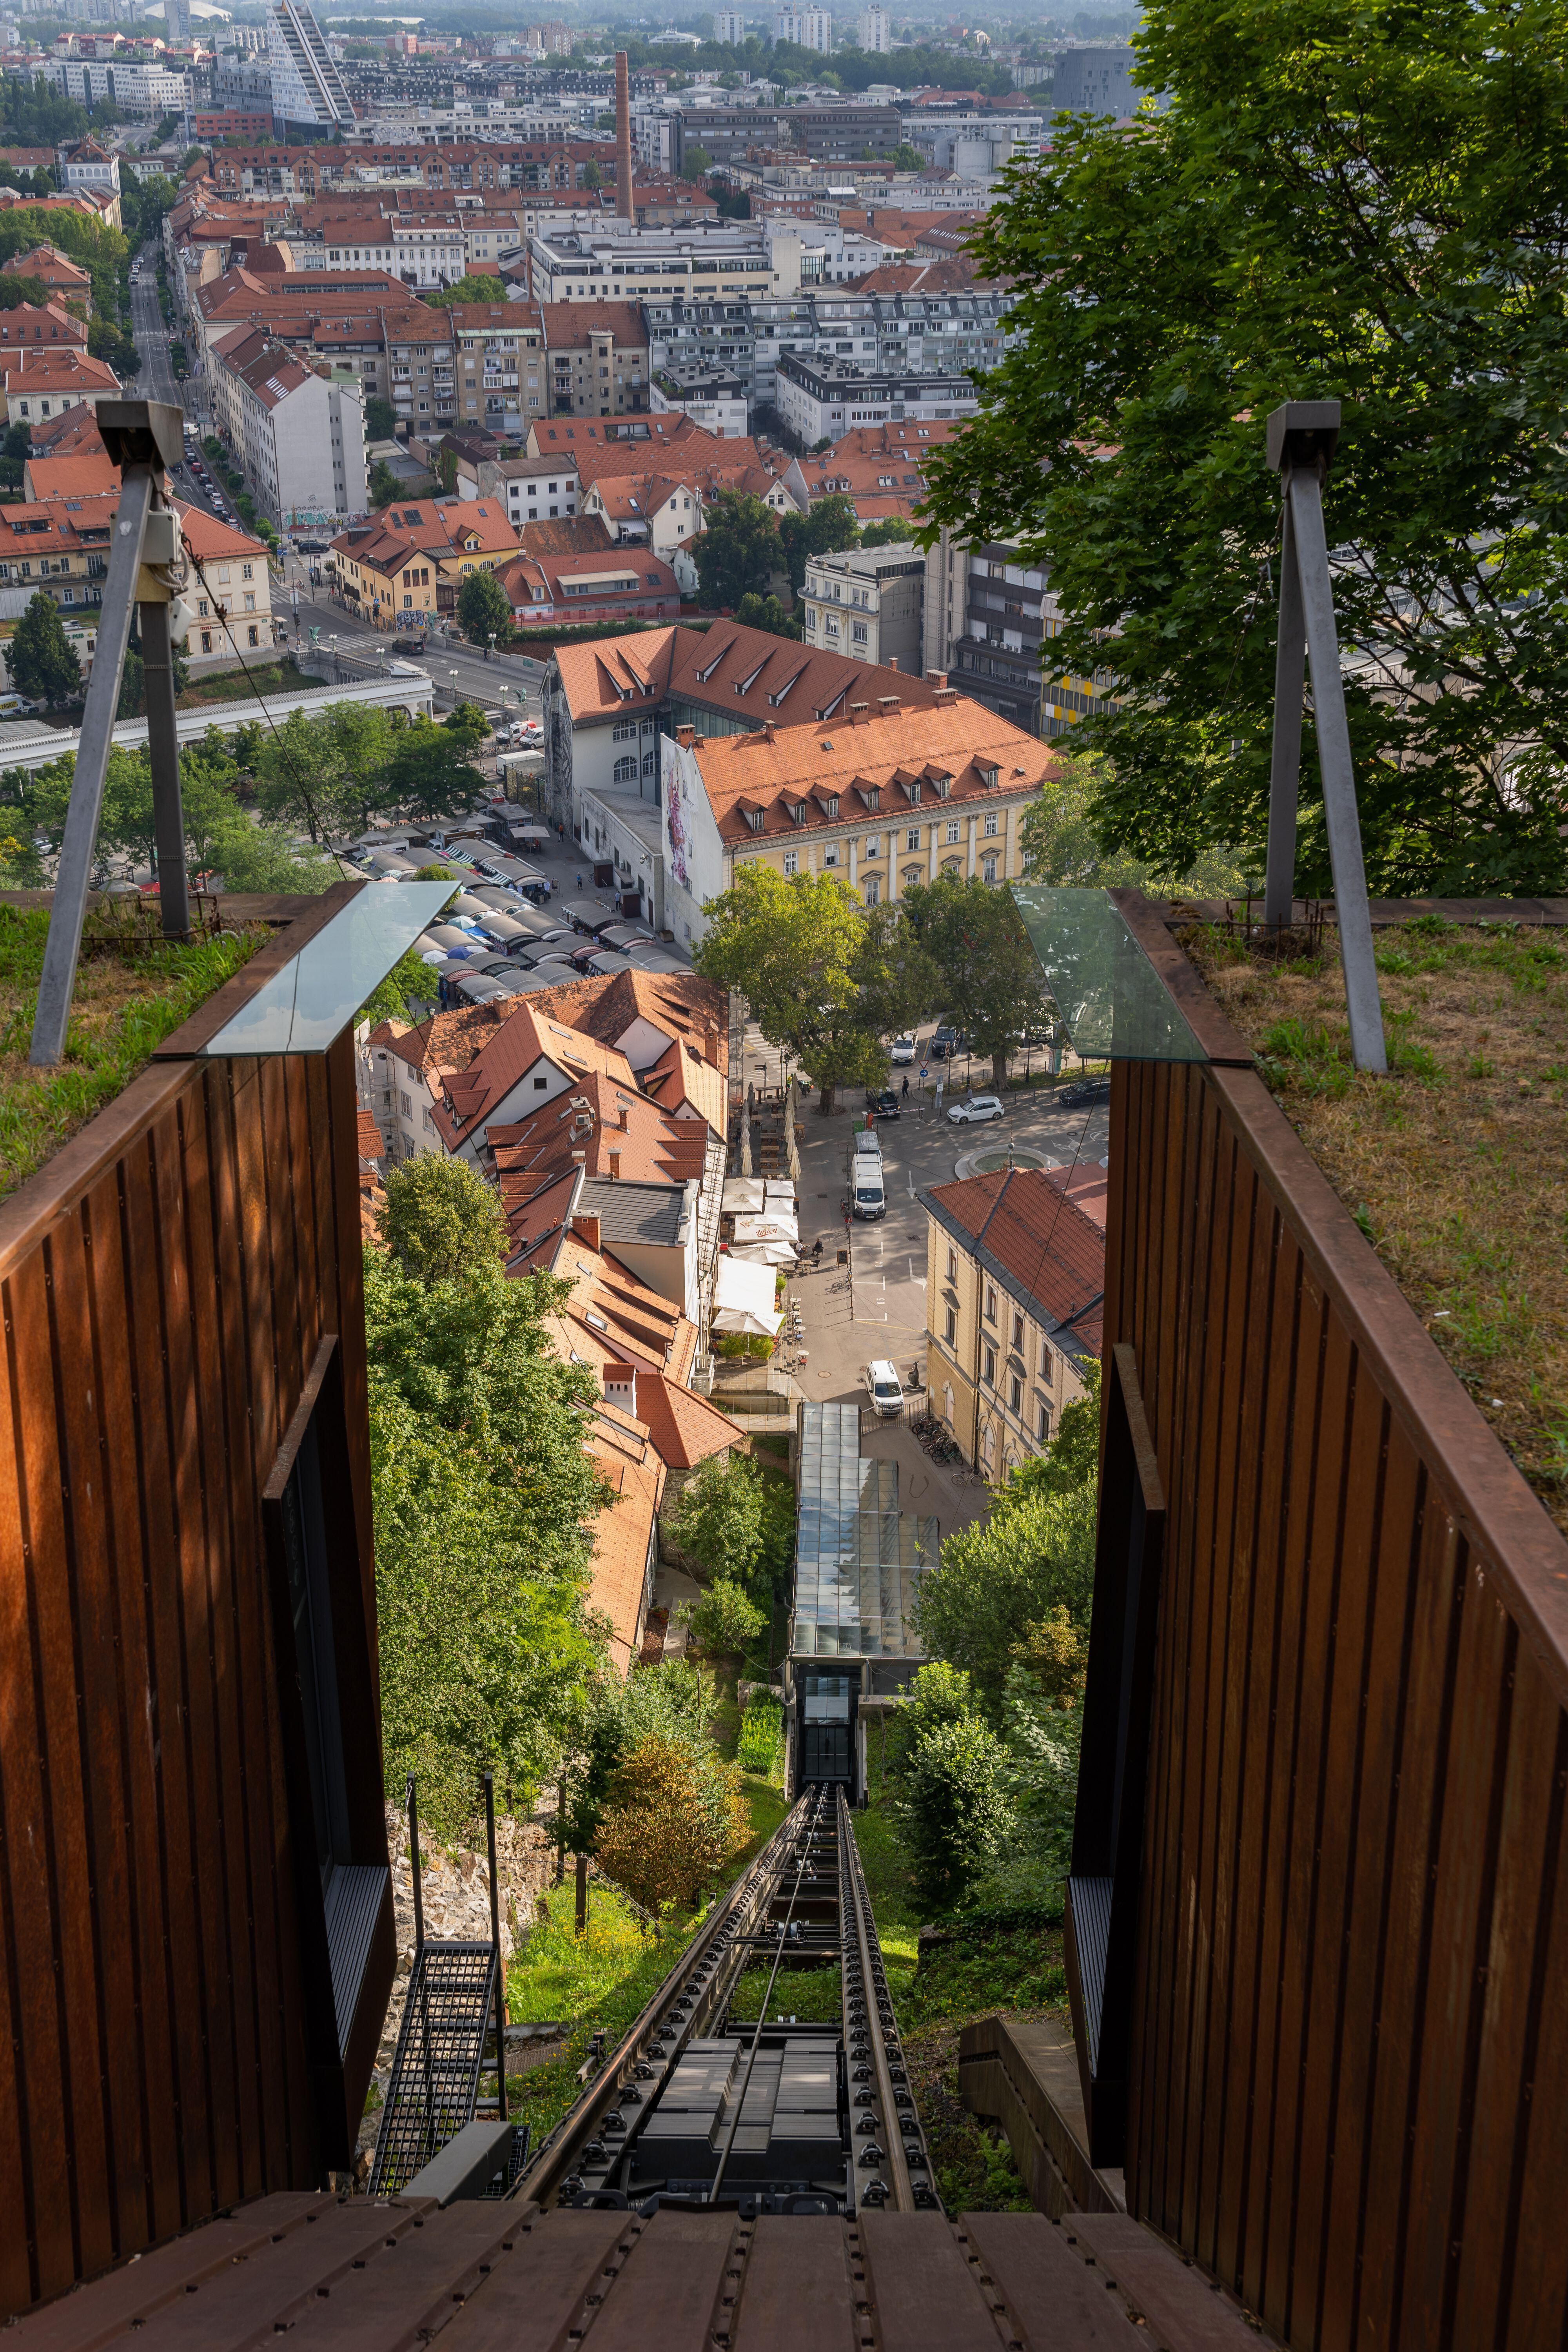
[[875, 1304], [156, 380]]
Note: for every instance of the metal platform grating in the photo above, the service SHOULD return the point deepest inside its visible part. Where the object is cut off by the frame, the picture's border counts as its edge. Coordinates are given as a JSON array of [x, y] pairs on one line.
[[435, 2073]]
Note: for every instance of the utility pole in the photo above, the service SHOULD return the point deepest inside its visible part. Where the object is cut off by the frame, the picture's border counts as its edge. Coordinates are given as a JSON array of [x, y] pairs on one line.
[[1303, 436], [145, 438]]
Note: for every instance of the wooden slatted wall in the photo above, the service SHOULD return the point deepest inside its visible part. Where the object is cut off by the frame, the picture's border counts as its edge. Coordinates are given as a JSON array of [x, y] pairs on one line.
[[164, 1284], [1350, 2072]]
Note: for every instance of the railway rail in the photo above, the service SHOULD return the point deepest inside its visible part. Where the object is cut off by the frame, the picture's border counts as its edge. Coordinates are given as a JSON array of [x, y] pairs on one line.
[[766, 2114]]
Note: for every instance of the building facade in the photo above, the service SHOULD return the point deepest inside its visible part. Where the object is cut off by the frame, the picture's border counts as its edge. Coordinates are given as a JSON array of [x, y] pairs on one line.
[[868, 602], [989, 620], [1014, 1301], [822, 399], [307, 91]]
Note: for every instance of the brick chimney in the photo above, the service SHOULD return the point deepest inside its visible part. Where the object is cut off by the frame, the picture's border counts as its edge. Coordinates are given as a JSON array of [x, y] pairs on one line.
[[936, 677], [586, 1228], [614, 1167], [892, 662], [710, 1047], [626, 1118], [625, 204]]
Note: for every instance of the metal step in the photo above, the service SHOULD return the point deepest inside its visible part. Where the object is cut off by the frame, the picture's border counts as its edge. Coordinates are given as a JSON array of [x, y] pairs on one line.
[[436, 2072]]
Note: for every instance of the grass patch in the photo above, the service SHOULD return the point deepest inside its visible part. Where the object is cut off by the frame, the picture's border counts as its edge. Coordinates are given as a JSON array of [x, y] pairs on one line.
[[1452, 1165], [284, 677], [601, 1982], [122, 1009], [996, 1961], [815, 1995]]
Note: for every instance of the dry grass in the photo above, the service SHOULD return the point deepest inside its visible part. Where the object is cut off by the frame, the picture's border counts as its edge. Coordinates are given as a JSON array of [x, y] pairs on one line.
[[122, 1008], [1453, 1166]]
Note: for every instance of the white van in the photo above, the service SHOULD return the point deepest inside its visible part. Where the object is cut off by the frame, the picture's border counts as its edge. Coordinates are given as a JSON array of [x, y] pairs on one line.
[[868, 1192]]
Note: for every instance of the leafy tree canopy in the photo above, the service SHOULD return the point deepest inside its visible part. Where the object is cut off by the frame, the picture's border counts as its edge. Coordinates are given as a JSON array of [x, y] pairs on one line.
[[991, 980], [830, 526], [1061, 844], [441, 1218], [380, 419], [470, 289], [725, 1620], [1365, 205], [717, 1518], [483, 609], [800, 951], [736, 552], [1005, 1574], [695, 160], [673, 1819], [754, 611], [44, 663]]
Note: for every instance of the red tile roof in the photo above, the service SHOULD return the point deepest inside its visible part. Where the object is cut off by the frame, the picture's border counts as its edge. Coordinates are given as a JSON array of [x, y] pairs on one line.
[[1043, 1250], [744, 673]]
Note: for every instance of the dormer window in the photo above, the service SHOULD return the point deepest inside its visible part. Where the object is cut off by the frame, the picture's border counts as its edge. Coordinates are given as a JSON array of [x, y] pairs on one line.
[[754, 819], [989, 776], [914, 791], [943, 786], [796, 810]]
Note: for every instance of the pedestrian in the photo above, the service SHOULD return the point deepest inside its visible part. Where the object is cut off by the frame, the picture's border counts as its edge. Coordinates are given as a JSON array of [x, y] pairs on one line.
[[904, 1093], [579, 880]]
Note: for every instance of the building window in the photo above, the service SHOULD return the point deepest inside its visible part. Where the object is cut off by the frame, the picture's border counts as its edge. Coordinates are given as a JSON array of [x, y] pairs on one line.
[[1048, 1364], [1018, 1330], [1042, 1422], [830, 855], [950, 1333], [626, 771], [990, 1304], [990, 825], [1015, 1394], [988, 870], [254, 634], [912, 838], [952, 1265], [990, 1367], [792, 861], [871, 890], [952, 828], [406, 1105]]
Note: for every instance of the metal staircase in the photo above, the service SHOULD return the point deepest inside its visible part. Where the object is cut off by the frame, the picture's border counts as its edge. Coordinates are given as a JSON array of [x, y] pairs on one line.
[[455, 1998]]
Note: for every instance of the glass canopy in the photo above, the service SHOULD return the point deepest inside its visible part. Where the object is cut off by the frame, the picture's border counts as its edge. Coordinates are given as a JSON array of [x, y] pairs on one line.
[[316, 994], [1112, 1000], [857, 1557]]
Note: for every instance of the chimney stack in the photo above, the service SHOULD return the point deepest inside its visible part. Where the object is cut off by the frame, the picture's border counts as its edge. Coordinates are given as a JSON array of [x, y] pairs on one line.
[[892, 661], [623, 203], [587, 1227], [614, 1167]]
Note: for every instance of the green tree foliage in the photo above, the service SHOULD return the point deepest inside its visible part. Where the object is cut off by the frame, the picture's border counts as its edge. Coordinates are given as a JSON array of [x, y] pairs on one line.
[[44, 665], [991, 980], [899, 983], [736, 552], [144, 198], [592, 178], [483, 1499], [831, 527], [440, 1218], [334, 772], [470, 289], [717, 1519], [695, 161], [1061, 846], [431, 771], [15, 444], [101, 251], [467, 722], [996, 1580], [937, 1694], [221, 836], [34, 114], [483, 609], [380, 419], [14, 291], [725, 1621], [672, 1819], [799, 951], [955, 1810], [1072, 1458], [115, 348], [754, 611], [1360, 206], [892, 533]]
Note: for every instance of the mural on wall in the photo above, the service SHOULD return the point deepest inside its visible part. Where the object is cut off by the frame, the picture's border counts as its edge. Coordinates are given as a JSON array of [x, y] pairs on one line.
[[676, 768]]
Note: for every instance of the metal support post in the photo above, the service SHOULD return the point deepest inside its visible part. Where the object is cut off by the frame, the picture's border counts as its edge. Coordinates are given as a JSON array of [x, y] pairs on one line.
[[164, 759], [1301, 439], [495, 1937]]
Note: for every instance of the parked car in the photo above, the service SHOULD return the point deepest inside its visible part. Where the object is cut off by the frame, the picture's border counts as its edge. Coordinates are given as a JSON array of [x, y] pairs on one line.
[[976, 1110], [885, 1104], [903, 1052], [946, 1042], [883, 1387], [1086, 1090]]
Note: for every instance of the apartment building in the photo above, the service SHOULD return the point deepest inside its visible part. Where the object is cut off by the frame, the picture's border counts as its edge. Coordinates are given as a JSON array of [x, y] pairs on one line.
[[713, 397], [868, 602], [597, 358], [298, 434], [138, 89], [726, 261], [230, 597], [808, 28], [880, 469], [407, 566], [822, 399], [45, 380], [307, 91], [827, 131], [989, 620], [60, 545], [30, 327], [589, 579], [1015, 1308]]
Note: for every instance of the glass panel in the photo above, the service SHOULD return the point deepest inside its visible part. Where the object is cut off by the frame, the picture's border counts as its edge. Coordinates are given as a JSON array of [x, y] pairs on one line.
[[857, 1555], [315, 996], [1112, 1002]]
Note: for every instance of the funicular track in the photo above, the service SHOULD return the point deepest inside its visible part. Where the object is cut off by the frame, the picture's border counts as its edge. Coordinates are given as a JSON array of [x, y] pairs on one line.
[[698, 2108]]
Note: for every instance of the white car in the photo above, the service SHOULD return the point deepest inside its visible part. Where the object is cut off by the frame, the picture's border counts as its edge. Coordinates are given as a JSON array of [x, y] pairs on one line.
[[903, 1052], [882, 1386], [978, 1108]]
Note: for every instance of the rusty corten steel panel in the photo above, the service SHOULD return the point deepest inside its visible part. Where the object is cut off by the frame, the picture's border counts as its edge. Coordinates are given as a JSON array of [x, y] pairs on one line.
[[166, 1282], [1349, 2068]]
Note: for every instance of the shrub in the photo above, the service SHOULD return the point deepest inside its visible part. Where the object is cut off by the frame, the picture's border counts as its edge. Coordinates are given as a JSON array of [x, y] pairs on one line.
[[724, 1621], [717, 1520], [674, 1818], [955, 1810], [762, 1737], [937, 1695]]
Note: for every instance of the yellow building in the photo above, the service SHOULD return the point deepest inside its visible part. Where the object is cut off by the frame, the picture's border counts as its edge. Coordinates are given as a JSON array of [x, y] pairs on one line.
[[409, 565], [1014, 1292]]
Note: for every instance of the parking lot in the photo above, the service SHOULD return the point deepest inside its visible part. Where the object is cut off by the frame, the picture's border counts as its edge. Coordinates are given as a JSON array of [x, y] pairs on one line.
[[874, 1306]]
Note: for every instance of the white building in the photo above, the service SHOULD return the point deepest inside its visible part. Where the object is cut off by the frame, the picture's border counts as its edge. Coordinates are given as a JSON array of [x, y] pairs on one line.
[[822, 399], [88, 165], [727, 261], [712, 397], [730, 25], [808, 28], [875, 30], [134, 90], [299, 436], [308, 90]]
